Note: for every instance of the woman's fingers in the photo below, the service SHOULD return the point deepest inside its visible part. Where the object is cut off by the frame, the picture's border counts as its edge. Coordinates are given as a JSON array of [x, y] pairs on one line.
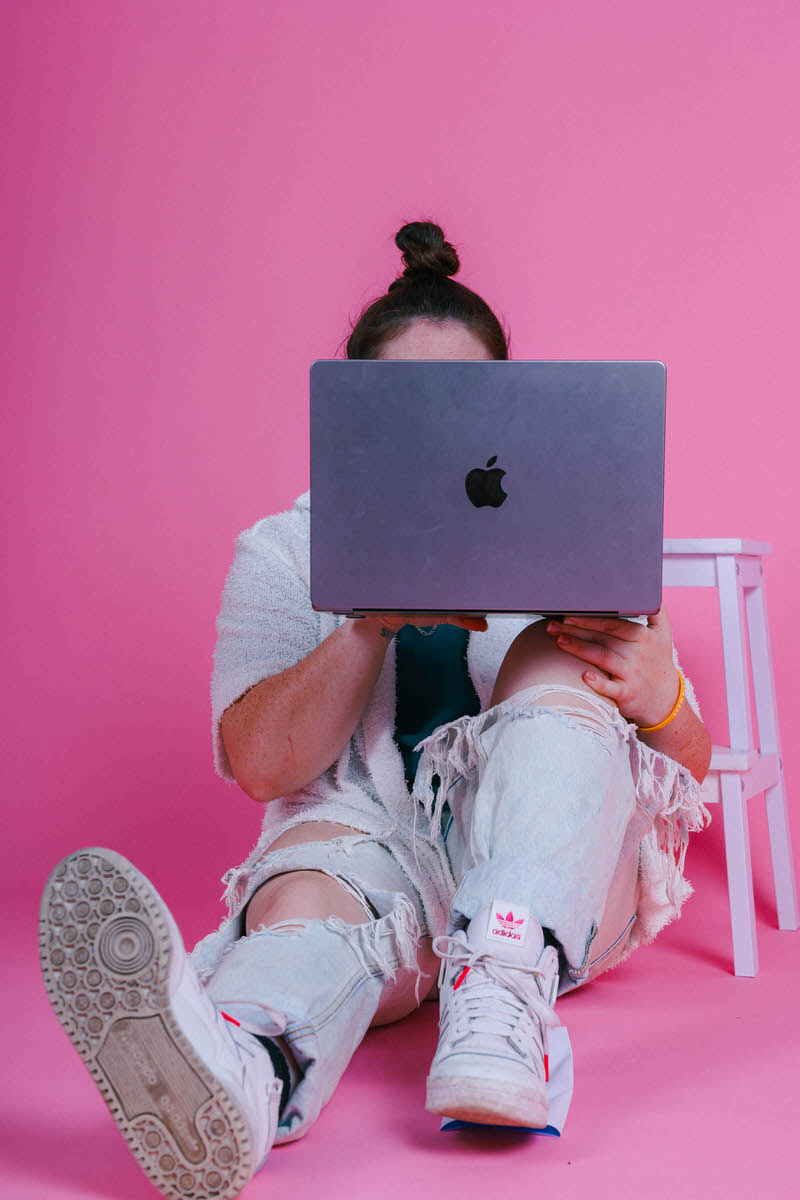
[[592, 651], [629, 631]]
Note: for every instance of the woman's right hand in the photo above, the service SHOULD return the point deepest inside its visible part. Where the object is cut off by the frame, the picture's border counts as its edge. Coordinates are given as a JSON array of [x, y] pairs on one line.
[[394, 622]]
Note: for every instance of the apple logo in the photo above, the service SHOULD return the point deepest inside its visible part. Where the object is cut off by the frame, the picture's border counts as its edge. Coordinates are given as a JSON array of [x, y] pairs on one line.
[[484, 487]]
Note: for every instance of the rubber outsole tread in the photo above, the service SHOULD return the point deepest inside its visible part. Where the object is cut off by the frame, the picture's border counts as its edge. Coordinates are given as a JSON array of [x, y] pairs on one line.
[[105, 950]]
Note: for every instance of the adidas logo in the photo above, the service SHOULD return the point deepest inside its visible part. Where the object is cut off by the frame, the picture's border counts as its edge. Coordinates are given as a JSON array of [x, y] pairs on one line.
[[503, 923]]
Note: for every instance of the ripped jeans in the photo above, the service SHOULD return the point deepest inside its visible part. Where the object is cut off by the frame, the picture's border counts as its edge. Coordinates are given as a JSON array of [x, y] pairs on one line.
[[542, 813], [332, 979]]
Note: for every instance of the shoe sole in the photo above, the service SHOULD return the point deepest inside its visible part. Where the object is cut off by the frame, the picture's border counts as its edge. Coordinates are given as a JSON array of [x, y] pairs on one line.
[[486, 1103], [106, 949]]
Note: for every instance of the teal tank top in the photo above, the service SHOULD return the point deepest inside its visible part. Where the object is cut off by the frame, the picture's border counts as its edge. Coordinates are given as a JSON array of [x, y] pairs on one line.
[[433, 687]]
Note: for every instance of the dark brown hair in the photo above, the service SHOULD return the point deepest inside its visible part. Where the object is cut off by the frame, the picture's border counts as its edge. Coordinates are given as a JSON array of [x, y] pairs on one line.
[[424, 291]]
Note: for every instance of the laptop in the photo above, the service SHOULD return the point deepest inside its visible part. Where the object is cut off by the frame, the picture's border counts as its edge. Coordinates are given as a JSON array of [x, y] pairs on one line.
[[508, 488]]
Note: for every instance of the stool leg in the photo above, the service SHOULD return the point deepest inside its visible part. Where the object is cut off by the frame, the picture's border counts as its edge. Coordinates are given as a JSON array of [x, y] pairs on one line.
[[780, 844], [740, 875], [734, 654], [769, 743]]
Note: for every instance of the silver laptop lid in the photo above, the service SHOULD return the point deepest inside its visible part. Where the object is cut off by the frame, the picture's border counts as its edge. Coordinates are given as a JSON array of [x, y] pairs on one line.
[[510, 488]]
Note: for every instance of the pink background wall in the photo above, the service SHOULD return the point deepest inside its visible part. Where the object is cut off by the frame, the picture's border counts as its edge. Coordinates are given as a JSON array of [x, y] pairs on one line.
[[199, 196]]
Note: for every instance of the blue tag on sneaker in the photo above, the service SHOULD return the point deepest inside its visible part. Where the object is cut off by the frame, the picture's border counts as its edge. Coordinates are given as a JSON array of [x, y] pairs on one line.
[[559, 1091]]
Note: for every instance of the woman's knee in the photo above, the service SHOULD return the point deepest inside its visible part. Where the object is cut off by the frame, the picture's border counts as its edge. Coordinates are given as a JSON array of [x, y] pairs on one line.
[[312, 831], [303, 894], [533, 657], [310, 888]]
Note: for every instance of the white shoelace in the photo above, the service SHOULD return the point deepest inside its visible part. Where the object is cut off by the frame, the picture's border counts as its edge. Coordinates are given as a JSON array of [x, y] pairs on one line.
[[487, 1006]]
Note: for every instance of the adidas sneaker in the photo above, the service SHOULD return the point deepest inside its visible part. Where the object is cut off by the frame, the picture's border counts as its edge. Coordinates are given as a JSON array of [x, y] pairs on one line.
[[497, 986], [195, 1097]]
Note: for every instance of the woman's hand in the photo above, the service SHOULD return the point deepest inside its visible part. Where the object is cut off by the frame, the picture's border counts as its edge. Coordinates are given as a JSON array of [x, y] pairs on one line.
[[641, 676]]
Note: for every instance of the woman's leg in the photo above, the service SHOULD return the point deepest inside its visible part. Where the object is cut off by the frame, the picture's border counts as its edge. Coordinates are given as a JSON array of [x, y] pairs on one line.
[[299, 893], [541, 793], [334, 941], [542, 821], [534, 657]]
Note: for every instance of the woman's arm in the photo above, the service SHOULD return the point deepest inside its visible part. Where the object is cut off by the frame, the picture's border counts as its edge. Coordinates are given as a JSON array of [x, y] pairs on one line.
[[291, 727], [685, 739]]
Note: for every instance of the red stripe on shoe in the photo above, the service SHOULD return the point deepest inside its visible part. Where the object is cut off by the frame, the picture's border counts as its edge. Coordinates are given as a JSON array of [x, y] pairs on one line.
[[460, 979]]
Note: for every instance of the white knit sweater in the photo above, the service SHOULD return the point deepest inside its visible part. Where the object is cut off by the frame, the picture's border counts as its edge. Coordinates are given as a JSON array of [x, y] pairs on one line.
[[266, 624]]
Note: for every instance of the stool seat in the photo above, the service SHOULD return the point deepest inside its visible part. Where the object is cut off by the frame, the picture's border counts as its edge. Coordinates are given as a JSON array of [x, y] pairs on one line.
[[735, 567]]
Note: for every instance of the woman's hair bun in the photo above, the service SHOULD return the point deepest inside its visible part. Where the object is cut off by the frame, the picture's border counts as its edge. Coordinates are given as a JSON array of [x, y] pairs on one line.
[[424, 292], [425, 251]]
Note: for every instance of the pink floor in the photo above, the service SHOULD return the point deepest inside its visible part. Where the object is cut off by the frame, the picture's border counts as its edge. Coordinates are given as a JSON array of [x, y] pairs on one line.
[[686, 1084]]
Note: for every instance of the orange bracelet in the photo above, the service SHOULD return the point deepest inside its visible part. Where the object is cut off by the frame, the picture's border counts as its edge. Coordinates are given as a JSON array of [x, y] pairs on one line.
[[678, 703]]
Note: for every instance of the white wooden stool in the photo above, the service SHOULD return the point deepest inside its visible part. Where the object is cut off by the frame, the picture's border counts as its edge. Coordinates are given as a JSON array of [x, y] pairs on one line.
[[740, 770]]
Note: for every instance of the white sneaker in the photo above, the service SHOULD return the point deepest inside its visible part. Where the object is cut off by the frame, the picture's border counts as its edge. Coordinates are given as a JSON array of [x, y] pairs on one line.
[[195, 1097], [497, 987]]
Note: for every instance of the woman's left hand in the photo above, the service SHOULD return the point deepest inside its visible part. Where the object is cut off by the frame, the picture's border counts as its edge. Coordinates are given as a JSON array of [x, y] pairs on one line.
[[641, 676]]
